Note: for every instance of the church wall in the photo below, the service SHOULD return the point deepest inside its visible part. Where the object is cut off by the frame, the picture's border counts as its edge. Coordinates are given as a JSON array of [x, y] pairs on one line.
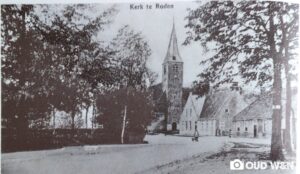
[[174, 91]]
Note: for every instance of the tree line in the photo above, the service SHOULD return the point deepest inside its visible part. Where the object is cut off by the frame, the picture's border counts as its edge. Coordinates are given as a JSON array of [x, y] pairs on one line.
[[53, 60]]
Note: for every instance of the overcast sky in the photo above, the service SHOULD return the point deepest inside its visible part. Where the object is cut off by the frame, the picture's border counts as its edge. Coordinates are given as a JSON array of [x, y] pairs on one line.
[[156, 25]]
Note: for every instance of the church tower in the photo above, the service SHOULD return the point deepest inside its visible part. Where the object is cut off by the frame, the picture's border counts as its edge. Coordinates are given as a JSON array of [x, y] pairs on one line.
[[172, 77]]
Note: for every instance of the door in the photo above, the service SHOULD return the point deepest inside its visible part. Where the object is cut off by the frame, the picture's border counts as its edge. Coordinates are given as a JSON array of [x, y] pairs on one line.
[[174, 126], [255, 131]]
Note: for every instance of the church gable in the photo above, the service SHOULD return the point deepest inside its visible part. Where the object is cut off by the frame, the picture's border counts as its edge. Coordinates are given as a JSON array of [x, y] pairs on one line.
[[159, 98]]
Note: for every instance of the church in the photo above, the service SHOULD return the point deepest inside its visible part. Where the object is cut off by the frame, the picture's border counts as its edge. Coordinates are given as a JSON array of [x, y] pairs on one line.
[[168, 94], [172, 78]]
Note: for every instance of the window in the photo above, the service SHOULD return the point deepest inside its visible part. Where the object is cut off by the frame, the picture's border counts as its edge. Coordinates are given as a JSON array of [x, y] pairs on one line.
[[238, 129], [165, 69], [246, 129], [175, 68], [174, 57], [190, 125], [226, 110], [186, 125]]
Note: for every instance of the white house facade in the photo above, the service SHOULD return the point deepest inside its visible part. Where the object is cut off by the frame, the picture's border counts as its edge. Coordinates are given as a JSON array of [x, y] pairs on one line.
[[190, 115]]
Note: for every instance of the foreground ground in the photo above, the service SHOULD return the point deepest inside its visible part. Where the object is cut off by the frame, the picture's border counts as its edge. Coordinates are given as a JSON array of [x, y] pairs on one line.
[[163, 154]]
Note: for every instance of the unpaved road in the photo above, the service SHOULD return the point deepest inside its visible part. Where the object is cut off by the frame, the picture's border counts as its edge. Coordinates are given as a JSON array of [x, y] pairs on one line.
[[109, 158], [219, 163]]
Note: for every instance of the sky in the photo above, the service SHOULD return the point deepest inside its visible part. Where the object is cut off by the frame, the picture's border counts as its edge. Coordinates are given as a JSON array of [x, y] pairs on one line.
[[156, 25]]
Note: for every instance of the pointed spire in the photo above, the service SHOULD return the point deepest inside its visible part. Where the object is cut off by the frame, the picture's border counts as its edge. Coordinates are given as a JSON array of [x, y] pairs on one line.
[[173, 52]]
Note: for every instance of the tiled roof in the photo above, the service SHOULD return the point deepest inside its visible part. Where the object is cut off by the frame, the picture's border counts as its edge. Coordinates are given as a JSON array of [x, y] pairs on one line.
[[259, 109], [217, 102]]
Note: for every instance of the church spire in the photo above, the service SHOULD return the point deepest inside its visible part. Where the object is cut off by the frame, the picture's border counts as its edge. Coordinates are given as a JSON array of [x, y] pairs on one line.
[[173, 53]]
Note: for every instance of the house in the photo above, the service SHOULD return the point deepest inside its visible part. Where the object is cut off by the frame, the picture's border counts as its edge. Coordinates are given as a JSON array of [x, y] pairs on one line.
[[256, 119], [190, 114], [219, 108]]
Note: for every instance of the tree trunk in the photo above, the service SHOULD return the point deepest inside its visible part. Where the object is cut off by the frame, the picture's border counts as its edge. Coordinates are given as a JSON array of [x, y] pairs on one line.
[[53, 112], [124, 125], [86, 116], [276, 142], [73, 121], [294, 129], [285, 62], [287, 142], [93, 115]]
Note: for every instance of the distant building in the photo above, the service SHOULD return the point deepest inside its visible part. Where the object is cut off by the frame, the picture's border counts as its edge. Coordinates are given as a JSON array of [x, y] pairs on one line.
[[256, 119], [218, 111], [190, 114]]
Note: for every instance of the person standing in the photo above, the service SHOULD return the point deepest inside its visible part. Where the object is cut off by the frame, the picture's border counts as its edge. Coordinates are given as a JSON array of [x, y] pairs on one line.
[[196, 133]]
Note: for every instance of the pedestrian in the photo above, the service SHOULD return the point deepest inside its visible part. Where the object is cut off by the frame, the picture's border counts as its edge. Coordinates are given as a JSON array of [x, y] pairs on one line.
[[219, 132], [196, 133], [230, 133]]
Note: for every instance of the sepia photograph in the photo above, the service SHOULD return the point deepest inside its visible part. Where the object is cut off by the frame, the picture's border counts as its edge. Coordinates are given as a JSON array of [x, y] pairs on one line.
[[149, 87]]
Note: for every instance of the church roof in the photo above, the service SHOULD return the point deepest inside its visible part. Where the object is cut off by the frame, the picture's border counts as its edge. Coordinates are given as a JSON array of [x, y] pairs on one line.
[[159, 98], [173, 52]]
